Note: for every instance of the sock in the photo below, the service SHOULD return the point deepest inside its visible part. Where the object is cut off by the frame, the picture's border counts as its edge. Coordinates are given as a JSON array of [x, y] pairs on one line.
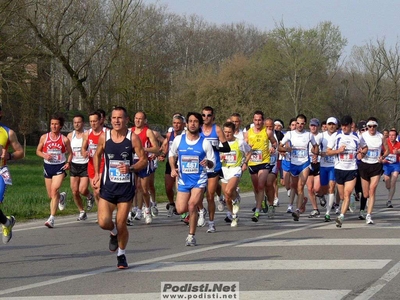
[[210, 222], [331, 199], [257, 210], [7, 223], [341, 216], [114, 231], [120, 252], [51, 217]]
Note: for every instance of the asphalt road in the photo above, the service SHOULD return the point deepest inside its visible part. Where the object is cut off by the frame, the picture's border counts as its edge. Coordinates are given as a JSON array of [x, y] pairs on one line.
[[272, 259]]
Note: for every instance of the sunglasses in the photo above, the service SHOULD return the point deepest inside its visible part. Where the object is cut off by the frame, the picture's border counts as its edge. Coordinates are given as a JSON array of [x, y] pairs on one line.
[[372, 126], [362, 130], [300, 123], [207, 115]]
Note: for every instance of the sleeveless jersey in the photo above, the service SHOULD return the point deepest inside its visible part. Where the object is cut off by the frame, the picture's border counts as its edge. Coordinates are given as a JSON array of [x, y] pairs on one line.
[[93, 141], [234, 157], [144, 140], [76, 145], [346, 160], [326, 161], [189, 158], [392, 157], [374, 144], [259, 143], [4, 141], [56, 148], [115, 154], [214, 140]]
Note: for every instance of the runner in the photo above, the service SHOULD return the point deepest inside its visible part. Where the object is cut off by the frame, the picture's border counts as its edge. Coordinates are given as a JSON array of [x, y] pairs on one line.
[[193, 154], [299, 143], [370, 167], [170, 182], [7, 138], [313, 180], [214, 134], [89, 147], [259, 138], [327, 168], [344, 146], [79, 180], [150, 145], [233, 164], [391, 166], [116, 183], [53, 147]]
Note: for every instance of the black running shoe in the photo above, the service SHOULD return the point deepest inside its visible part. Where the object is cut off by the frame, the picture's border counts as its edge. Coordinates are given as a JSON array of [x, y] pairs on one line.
[[113, 244], [122, 264]]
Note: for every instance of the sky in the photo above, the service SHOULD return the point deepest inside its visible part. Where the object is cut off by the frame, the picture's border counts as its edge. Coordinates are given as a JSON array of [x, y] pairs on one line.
[[359, 21]]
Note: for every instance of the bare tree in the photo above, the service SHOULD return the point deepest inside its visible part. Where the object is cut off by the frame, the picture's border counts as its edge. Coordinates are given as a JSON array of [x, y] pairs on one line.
[[84, 36]]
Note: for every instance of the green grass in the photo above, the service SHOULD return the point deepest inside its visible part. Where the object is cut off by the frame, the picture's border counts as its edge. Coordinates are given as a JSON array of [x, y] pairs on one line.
[[27, 197]]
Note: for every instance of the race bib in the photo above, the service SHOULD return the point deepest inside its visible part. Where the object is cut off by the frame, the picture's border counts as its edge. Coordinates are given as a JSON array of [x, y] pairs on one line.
[[92, 149], [55, 156], [272, 159], [230, 158], [391, 158], [347, 157], [299, 153], [115, 175], [372, 154], [5, 173], [329, 159], [256, 156], [190, 164]]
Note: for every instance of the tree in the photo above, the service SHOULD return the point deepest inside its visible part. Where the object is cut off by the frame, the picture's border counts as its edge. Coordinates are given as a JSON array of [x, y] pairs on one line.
[[85, 37]]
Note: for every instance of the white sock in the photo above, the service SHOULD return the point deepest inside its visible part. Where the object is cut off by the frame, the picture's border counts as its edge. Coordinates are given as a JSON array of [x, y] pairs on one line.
[[120, 252], [331, 199]]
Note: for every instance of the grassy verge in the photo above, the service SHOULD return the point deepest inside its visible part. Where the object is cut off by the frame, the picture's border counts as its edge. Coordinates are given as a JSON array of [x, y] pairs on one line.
[[27, 197]]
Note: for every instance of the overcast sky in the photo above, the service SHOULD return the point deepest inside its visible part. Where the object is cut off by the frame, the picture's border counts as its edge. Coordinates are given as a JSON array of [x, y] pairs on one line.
[[359, 20]]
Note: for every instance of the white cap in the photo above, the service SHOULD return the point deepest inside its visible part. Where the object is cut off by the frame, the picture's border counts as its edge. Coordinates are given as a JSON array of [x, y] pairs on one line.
[[331, 120], [372, 123]]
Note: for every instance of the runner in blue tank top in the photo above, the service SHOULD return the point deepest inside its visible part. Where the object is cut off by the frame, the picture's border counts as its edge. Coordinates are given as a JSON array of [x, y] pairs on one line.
[[117, 183], [214, 134], [194, 154]]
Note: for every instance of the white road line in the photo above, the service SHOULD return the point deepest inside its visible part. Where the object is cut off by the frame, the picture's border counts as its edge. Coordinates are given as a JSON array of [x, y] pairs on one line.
[[157, 259], [346, 264], [248, 295], [361, 225], [323, 242], [380, 283]]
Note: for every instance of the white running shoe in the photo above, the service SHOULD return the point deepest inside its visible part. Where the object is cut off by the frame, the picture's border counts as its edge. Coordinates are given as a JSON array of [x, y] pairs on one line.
[[211, 228], [50, 223], [234, 222], [129, 220], [221, 203], [201, 221], [147, 216], [154, 209], [236, 205], [171, 209], [276, 202], [289, 209], [62, 202], [138, 215], [82, 216], [190, 240], [89, 202], [369, 219]]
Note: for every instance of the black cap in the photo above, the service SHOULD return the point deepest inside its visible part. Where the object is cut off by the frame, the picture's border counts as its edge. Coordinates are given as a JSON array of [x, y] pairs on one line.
[[346, 120], [362, 125]]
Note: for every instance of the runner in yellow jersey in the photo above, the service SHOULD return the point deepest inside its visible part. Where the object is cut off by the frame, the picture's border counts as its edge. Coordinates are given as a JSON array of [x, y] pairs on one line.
[[258, 137], [232, 168], [7, 138]]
